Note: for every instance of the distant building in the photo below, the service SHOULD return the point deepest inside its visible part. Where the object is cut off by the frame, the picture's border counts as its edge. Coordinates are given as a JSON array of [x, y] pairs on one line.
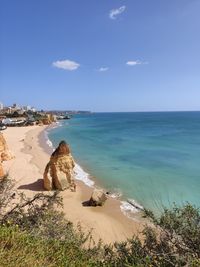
[[15, 107], [1, 106], [27, 108], [20, 111], [8, 110]]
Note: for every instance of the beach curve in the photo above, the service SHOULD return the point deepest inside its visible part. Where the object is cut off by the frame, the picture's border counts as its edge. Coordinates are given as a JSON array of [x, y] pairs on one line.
[[31, 156]]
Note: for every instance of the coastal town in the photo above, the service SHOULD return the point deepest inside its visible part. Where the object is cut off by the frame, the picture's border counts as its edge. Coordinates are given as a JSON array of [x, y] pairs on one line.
[[16, 115]]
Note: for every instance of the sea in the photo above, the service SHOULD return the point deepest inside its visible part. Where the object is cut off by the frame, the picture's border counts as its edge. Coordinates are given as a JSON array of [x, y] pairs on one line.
[[149, 159]]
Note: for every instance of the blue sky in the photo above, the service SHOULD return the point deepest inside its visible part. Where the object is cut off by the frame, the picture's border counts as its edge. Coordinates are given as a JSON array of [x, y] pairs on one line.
[[101, 55]]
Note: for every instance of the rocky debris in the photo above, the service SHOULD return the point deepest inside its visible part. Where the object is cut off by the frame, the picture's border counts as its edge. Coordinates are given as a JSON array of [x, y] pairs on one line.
[[59, 172], [98, 198], [5, 154]]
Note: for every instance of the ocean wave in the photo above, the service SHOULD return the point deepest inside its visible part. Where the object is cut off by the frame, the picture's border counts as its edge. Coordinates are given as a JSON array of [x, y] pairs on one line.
[[135, 204], [59, 124], [83, 176], [130, 207], [116, 193], [49, 143], [54, 125]]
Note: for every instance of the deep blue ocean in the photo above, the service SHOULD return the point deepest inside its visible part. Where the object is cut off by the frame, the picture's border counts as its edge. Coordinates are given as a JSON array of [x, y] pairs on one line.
[[153, 158]]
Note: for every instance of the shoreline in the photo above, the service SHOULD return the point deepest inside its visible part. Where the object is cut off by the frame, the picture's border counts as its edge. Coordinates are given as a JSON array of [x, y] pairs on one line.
[[108, 223], [129, 207]]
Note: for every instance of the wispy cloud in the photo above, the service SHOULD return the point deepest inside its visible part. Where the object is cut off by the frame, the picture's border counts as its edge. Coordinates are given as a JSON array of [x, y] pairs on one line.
[[135, 62], [115, 12], [103, 69], [66, 64]]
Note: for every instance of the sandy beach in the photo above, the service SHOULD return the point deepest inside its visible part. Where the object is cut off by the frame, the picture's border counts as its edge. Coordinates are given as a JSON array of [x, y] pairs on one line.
[[31, 156]]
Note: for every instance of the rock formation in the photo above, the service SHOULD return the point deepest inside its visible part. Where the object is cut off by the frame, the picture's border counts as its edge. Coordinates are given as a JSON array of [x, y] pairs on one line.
[[98, 198], [5, 154], [52, 118], [48, 119], [59, 172]]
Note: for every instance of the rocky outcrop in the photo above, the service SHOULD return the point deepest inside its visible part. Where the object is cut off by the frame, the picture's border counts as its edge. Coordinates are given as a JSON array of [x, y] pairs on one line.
[[98, 198], [5, 154], [52, 118], [59, 172], [47, 120]]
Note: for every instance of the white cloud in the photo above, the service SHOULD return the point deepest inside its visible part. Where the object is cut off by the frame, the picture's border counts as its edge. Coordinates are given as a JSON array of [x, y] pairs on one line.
[[103, 69], [66, 64], [115, 12], [135, 62]]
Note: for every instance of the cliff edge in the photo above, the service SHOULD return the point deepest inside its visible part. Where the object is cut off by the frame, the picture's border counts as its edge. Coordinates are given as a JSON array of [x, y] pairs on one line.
[[5, 154]]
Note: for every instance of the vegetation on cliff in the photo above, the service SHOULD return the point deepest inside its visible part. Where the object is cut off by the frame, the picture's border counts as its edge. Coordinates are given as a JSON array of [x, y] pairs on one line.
[[34, 233]]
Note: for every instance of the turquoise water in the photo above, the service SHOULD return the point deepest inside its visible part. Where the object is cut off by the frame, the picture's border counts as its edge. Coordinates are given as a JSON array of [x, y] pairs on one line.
[[153, 158]]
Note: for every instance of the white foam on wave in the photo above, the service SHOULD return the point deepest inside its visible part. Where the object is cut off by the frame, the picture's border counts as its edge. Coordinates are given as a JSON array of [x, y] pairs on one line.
[[130, 207], [83, 176], [49, 143], [135, 204], [116, 193], [55, 125], [60, 124]]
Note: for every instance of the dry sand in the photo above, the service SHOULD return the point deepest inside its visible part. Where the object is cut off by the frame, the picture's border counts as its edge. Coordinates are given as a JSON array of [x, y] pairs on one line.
[[107, 223]]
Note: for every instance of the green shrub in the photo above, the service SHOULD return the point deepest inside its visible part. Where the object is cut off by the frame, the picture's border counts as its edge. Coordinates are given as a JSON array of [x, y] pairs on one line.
[[35, 233]]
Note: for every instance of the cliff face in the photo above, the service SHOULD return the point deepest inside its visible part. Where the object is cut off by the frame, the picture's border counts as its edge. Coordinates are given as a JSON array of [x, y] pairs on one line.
[[5, 154], [49, 119], [1, 171]]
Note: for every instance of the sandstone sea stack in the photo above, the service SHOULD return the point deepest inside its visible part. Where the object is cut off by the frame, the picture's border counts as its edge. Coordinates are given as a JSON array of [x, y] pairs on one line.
[[59, 173]]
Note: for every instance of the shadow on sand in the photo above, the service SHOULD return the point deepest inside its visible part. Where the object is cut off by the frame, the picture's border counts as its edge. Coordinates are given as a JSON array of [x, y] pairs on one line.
[[36, 186], [86, 203]]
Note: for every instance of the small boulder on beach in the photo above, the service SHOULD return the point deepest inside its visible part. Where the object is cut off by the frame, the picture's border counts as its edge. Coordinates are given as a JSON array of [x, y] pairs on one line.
[[98, 198]]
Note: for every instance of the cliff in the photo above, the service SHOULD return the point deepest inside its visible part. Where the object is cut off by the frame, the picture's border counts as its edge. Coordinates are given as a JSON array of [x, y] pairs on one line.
[[5, 154], [48, 119]]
